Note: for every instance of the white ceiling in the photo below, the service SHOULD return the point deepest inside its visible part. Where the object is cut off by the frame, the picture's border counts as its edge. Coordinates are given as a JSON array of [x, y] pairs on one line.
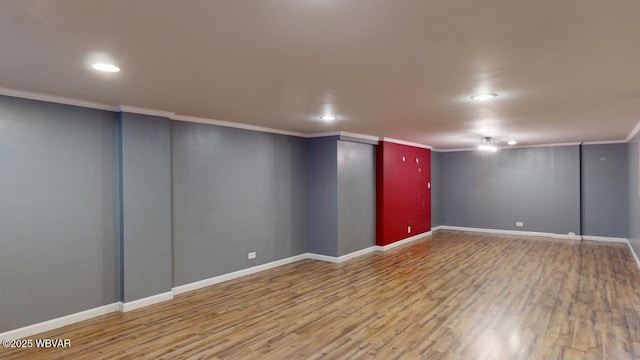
[[565, 71]]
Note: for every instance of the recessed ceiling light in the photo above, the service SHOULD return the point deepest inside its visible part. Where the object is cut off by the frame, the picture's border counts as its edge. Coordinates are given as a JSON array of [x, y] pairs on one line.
[[484, 96], [106, 67], [328, 118], [512, 142]]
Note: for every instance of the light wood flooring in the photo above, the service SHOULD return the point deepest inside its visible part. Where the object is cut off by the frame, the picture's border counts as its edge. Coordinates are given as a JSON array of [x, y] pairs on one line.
[[453, 296]]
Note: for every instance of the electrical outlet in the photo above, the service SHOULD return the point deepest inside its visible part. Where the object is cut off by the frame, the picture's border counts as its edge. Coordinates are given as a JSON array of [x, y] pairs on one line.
[[408, 229], [519, 224], [251, 255]]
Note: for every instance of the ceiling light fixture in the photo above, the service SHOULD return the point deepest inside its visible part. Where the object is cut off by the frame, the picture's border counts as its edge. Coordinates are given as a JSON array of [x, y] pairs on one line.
[[488, 144], [484, 96], [512, 142], [328, 118], [106, 67]]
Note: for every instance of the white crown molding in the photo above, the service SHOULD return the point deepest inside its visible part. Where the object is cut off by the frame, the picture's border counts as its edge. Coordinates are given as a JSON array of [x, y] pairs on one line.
[[173, 116], [518, 147], [360, 136], [455, 150], [633, 132], [322, 134], [604, 142], [371, 138], [408, 143], [56, 99], [41, 327], [143, 111], [344, 133], [499, 148], [199, 120], [541, 145]]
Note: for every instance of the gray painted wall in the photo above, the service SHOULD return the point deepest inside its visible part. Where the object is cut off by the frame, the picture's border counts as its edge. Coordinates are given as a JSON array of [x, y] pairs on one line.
[[604, 190], [538, 186], [436, 190], [322, 196], [356, 196], [633, 158], [58, 214], [235, 191], [146, 205]]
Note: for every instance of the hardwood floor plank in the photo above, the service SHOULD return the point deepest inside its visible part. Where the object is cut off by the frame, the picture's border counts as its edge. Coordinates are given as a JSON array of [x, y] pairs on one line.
[[453, 296]]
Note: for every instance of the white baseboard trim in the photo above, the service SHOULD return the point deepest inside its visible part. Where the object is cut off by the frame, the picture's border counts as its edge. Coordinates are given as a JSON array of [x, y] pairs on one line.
[[604, 238], [137, 304], [325, 258], [339, 259], [38, 328], [511, 232], [236, 274], [335, 259], [403, 241], [634, 254], [565, 236], [356, 254], [48, 325]]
